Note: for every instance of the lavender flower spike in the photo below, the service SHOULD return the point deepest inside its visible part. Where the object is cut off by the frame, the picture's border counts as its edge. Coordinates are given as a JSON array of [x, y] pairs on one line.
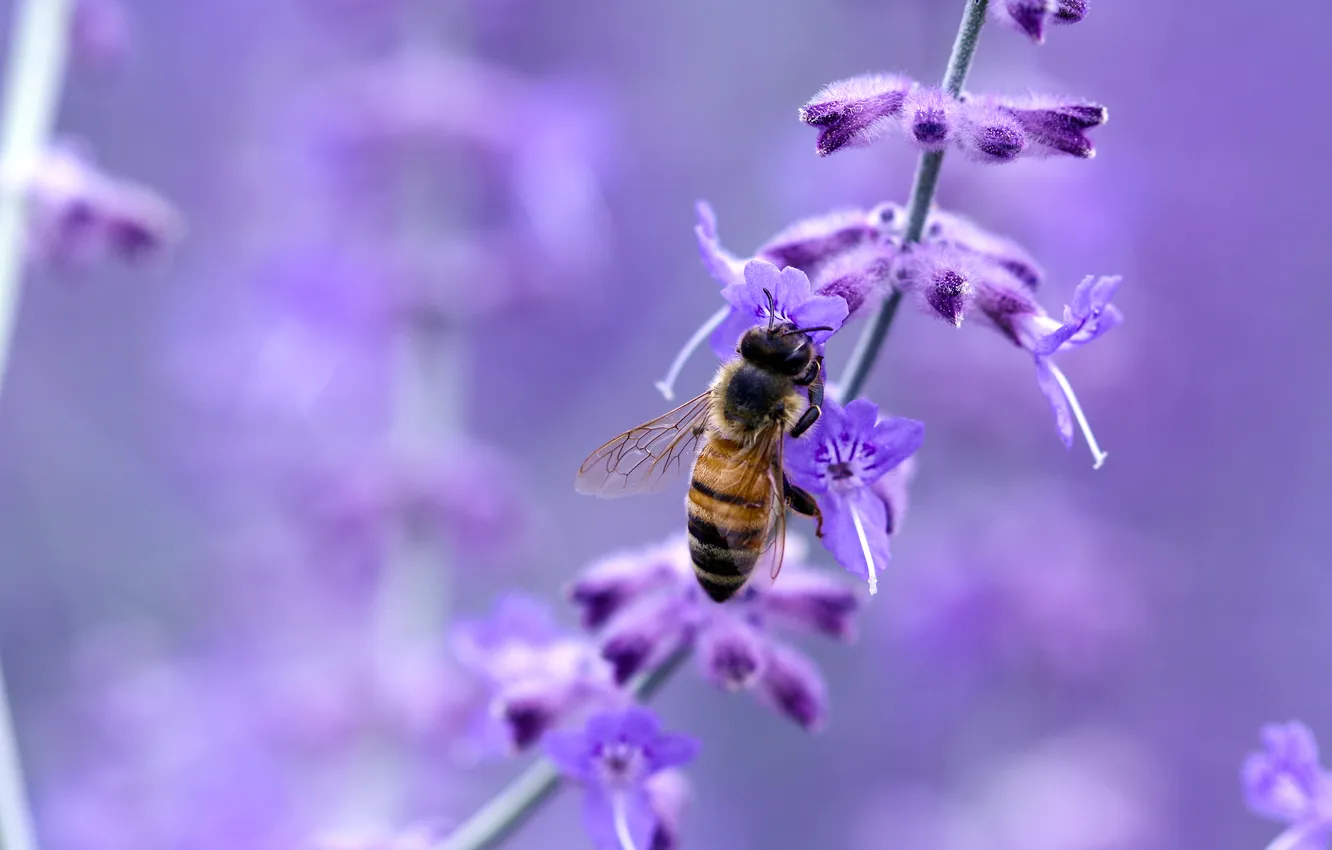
[[856, 111], [1285, 782], [847, 452], [613, 757]]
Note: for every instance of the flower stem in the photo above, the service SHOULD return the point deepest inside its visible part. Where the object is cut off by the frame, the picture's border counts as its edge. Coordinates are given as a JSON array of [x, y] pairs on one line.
[[918, 207], [513, 806], [32, 91]]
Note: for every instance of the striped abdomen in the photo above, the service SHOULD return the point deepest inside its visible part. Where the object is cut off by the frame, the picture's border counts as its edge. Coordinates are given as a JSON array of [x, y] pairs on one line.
[[730, 512]]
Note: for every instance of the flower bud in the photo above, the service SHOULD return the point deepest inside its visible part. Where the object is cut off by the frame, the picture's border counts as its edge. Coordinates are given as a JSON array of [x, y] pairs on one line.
[[855, 111], [792, 685], [929, 116], [731, 653], [811, 241]]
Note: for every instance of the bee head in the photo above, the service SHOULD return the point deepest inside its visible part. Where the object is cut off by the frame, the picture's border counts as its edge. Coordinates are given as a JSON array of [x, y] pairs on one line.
[[783, 349], [780, 347]]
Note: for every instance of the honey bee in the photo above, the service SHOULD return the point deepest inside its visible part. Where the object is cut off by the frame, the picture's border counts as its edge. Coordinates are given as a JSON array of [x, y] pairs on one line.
[[734, 432]]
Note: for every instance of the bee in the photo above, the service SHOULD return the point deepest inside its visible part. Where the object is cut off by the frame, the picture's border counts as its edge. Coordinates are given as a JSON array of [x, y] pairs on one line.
[[734, 433]]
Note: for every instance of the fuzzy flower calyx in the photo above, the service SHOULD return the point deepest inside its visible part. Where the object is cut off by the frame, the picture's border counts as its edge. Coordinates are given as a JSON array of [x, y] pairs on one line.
[[1031, 17], [1286, 782], [988, 127], [846, 453], [856, 111], [614, 757]]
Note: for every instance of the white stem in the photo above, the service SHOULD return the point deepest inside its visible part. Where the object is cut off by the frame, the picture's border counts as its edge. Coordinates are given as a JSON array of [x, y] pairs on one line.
[[1098, 456], [666, 386], [621, 823], [864, 548], [32, 92]]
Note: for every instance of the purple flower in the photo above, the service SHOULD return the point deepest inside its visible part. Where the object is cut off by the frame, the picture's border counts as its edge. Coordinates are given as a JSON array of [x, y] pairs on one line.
[[1286, 782], [79, 214], [856, 111], [100, 34], [990, 134], [847, 451], [948, 230], [930, 117], [1030, 17], [808, 246], [808, 243], [614, 757], [535, 676], [736, 644], [1089, 316], [1002, 128], [793, 303], [940, 279]]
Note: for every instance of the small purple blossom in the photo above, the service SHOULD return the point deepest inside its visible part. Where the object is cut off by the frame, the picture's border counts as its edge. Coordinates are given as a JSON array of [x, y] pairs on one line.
[[1031, 17], [794, 302], [535, 676], [856, 111], [940, 279], [615, 757], [736, 645], [1285, 782], [79, 214], [1089, 316], [1003, 128], [848, 450], [931, 117], [816, 246]]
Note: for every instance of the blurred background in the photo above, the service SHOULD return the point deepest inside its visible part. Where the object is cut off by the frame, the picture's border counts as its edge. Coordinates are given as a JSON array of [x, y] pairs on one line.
[[434, 253]]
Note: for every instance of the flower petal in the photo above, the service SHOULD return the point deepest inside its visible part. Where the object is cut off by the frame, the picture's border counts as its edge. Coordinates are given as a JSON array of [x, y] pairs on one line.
[[670, 750], [1054, 393], [843, 539], [568, 750]]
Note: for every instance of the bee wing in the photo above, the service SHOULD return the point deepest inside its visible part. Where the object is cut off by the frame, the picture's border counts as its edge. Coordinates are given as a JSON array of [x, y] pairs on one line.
[[645, 459]]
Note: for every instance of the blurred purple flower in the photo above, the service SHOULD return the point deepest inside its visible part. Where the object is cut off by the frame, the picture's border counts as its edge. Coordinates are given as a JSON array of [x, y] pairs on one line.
[[101, 35], [534, 675], [419, 837], [613, 757], [1089, 789], [1286, 782], [857, 111], [809, 242], [838, 462], [794, 302], [981, 593], [1031, 17], [464, 491], [939, 279], [641, 614], [79, 214]]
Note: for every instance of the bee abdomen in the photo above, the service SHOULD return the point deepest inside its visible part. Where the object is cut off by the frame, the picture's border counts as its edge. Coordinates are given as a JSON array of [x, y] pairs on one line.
[[723, 559]]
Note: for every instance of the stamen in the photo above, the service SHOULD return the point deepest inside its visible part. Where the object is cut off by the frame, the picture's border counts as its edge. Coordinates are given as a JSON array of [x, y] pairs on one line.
[[621, 823], [1098, 456], [666, 386], [865, 548]]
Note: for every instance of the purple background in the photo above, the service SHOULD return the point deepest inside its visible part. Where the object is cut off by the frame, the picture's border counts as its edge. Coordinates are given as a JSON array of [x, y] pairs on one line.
[[1206, 527]]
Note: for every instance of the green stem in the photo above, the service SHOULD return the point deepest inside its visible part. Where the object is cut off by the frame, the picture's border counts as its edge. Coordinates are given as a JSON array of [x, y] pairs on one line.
[[918, 207], [32, 91], [513, 806]]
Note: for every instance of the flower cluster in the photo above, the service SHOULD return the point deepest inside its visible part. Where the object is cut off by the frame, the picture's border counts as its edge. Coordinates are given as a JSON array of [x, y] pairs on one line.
[[958, 269], [1286, 782], [643, 606], [858, 111]]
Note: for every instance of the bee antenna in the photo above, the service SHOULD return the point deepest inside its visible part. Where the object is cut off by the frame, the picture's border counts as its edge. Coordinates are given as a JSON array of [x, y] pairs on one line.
[[772, 308], [807, 330]]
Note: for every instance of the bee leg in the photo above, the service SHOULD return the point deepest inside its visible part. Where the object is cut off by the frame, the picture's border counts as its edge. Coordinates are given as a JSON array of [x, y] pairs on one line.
[[802, 503], [813, 378]]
